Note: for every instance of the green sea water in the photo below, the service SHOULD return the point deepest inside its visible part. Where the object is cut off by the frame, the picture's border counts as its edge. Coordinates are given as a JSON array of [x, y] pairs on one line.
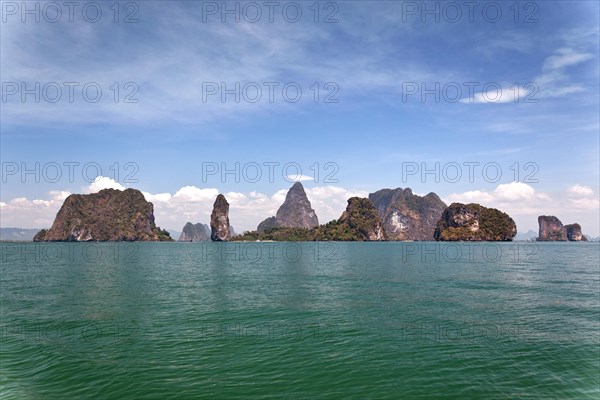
[[300, 321]]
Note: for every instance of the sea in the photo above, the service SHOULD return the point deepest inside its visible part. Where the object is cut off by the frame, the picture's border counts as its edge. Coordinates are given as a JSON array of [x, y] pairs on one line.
[[283, 320]]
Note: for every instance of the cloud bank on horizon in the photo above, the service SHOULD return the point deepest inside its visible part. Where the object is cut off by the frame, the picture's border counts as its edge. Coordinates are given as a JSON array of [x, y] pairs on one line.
[[366, 85], [193, 204]]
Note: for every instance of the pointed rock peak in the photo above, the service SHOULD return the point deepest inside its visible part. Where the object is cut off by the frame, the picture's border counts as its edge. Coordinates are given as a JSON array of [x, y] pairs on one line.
[[295, 212], [433, 195], [221, 200], [297, 189], [219, 220]]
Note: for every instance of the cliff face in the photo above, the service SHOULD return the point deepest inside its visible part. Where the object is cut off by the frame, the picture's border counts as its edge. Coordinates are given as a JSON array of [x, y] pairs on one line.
[[407, 216], [109, 215], [474, 222], [195, 233], [551, 229], [295, 212], [362, 217], [219, 220]]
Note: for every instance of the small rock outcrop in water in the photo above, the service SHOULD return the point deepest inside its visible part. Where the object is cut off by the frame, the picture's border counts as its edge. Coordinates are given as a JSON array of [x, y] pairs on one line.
[[551, 229], [219, 220], [360, 222], [407, 216], [195, 233], [574, 233], [295, 212], [109, 215], [474, 222]]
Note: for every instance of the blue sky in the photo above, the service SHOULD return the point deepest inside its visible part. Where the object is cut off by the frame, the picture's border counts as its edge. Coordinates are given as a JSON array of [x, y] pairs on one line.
[[544, 60]]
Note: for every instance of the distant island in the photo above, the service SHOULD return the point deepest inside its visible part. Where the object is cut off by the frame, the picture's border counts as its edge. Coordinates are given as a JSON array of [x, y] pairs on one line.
[[17, 234], [386, 215]]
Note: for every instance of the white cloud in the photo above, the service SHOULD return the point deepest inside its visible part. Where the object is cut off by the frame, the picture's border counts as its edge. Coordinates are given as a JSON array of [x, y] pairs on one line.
[[496, 94], [159, 197], [582, 197], [584, 204], [516, 195], [554, 80], [472, 196], [172, 91], [37, 213], [581, 190], [514, 191], [565, 57], [103, 182], [59, 195], [194, 194]]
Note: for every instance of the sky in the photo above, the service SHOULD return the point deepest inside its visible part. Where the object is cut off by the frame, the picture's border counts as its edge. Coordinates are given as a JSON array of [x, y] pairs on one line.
[[491, 102]]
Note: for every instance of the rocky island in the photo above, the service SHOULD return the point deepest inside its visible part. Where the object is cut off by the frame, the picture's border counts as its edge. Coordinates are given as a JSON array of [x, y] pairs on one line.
[[109, 215], [473, 222], [195, 233], [360, 222], [198, 233], [388, 214], [219, 220], [407, 216], [295, 212], [552, 230], [574, 233]]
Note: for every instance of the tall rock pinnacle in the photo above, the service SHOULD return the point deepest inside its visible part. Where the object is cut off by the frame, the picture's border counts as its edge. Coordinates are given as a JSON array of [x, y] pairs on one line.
[[295, 212], [219, 220]]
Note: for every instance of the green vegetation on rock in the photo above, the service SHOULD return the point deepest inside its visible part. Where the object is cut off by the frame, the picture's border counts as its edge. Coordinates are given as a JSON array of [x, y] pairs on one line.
[[360, 222], [109, 215], [465, 222]]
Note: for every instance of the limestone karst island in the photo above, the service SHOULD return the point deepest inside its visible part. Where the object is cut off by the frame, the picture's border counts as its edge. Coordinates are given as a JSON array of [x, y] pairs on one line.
[[388, 214]]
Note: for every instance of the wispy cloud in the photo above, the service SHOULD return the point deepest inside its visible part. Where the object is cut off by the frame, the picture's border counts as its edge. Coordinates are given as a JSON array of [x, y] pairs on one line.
[[581, 190], [554, 80]]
